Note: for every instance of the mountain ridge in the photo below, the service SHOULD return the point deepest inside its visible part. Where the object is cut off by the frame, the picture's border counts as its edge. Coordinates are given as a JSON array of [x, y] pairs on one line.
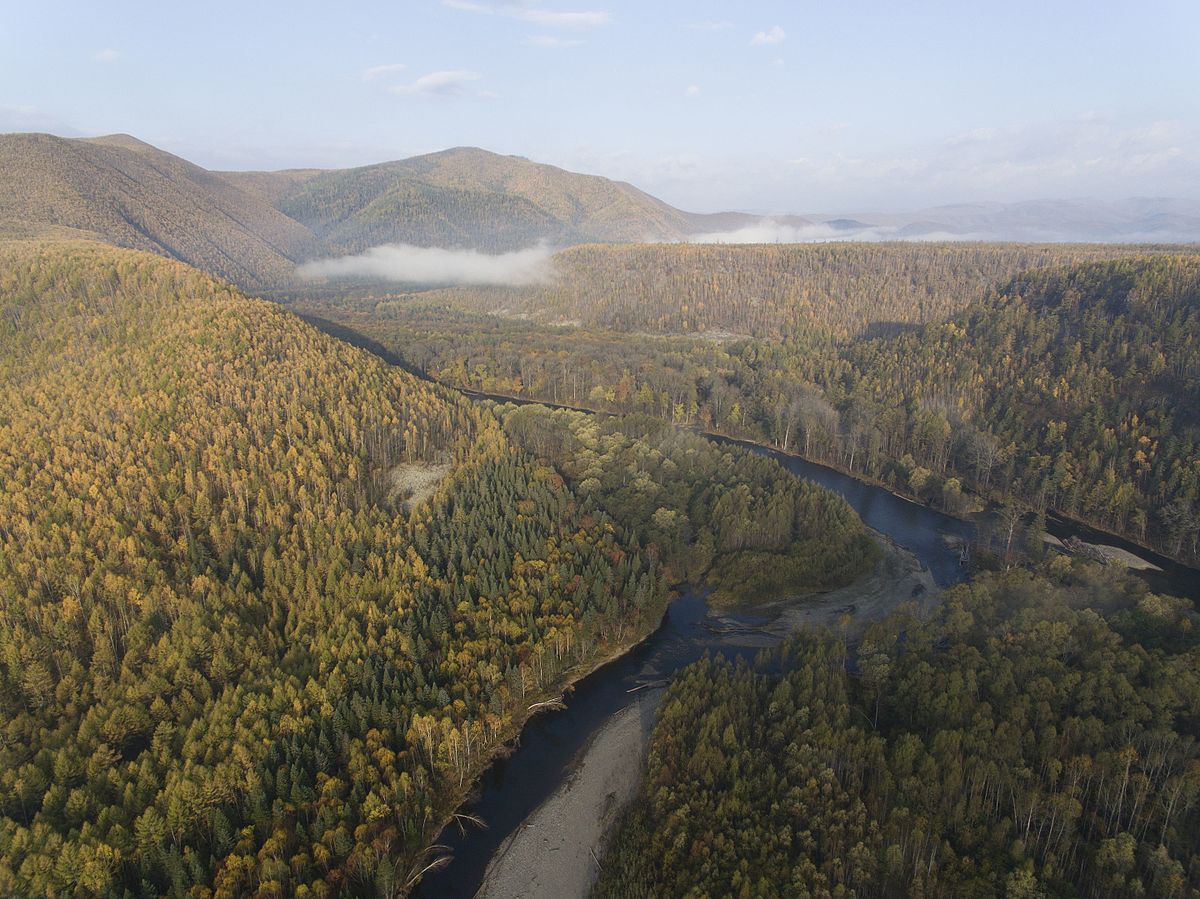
[[256, 227], [128, 193]]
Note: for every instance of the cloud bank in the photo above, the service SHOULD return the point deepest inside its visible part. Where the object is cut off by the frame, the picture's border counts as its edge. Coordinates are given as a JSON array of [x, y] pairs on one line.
[[406, 264], [769, 231]]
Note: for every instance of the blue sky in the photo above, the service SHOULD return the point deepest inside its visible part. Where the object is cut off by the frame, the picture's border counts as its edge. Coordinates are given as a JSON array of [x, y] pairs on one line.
[[764, 106]]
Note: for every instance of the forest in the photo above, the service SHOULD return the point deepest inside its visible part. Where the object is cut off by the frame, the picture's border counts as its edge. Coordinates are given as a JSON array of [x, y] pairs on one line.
[[1036, 737], [737, 522], [238, 657], [830, 291], [1069, 388]]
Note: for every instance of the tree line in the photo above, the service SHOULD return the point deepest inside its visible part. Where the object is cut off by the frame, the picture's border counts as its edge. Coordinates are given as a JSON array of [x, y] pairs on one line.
[[1072, 389], [834, 290], [233, 661], [1036, 737]]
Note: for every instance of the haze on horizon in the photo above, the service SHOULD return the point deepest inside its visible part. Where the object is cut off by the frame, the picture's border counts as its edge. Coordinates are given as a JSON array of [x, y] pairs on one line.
[[766, 106]]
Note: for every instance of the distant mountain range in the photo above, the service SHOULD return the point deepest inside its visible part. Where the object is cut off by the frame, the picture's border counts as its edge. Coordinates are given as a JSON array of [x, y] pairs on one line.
[[256, 227], [1137, 220]]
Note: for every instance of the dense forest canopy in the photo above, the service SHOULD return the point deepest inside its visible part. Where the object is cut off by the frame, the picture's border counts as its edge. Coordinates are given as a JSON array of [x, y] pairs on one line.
[[237, 655], [1036, 737], [736, 521], [228, 662], [1069, 387], [821, 290]]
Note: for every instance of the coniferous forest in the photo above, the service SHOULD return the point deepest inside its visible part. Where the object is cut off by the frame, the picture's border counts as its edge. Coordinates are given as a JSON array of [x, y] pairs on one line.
[[1069, 388], [1036, 737], [238, 654]]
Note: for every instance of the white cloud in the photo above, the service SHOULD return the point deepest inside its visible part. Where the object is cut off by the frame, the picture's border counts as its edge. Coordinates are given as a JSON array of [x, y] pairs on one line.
[[433, 265], [447, 83], [550, 41], [693, 90], [535, 15], [107, 55], [771, 231], [380, 71], [773, 35]]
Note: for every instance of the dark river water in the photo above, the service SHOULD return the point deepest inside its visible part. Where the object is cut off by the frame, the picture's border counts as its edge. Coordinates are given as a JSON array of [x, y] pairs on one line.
[[513, 787], [549, 744]]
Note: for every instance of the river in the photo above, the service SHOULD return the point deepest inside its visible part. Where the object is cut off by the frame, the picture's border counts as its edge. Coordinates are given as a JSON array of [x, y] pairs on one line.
[[551, 744], [515, 786]]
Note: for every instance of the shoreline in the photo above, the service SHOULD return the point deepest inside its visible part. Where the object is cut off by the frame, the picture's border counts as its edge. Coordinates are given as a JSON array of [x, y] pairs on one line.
[[576, 820], [509, 744], [749, 442], [558, 848]]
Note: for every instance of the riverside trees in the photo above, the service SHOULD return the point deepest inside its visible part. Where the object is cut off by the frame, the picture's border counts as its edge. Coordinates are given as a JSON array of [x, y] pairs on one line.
[[232, 661], [1037, 737], [1072, 388]]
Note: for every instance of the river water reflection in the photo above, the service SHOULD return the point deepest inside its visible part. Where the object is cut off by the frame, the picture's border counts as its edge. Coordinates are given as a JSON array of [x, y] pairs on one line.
[[513, 787]]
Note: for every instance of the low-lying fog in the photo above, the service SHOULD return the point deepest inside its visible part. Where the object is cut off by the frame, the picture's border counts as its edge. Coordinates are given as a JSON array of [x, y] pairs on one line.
[[1130, 221], [407, 264]]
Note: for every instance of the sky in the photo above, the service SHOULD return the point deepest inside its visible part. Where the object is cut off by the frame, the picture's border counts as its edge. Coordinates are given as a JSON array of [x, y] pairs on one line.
[[767, 107]]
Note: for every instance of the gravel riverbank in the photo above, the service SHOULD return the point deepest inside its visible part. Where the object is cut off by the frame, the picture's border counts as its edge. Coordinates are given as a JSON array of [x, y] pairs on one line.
[[553, 855], [555, 852]]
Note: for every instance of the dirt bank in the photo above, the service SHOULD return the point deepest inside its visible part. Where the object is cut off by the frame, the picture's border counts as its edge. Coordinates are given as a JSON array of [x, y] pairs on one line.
[[554, 853], [898, 577]]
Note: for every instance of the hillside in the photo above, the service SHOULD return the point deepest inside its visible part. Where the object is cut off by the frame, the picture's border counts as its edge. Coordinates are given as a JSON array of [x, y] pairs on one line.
[[223, 640], [128, 193], [1074, 388], [467, 197], [837, 290], [233, 633]]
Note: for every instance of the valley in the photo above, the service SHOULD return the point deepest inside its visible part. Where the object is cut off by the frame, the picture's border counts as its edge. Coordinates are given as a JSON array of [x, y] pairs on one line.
[[293, 598]]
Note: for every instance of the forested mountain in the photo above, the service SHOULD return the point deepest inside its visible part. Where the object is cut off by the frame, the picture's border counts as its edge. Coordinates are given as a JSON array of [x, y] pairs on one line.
[[254, 227], [1084, 387], [1037, 737], [1071, 388], [237, 656], [470, 198], [128, 193], [780, 290], [227, 660]]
